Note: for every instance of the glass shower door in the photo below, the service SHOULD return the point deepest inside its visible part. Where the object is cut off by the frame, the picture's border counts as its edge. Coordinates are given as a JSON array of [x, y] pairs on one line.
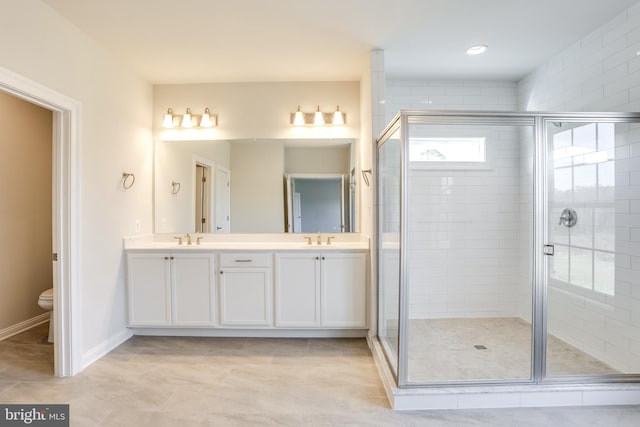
[[469, 230], [593, 277]]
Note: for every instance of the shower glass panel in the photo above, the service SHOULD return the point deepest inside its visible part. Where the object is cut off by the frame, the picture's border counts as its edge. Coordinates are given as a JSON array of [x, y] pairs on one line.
[[593, 281], [389, 192], [469, 202]]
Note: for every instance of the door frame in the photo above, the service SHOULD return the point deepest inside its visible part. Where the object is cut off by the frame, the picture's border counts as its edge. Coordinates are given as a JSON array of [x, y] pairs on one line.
[[210, 166], [66, 214]]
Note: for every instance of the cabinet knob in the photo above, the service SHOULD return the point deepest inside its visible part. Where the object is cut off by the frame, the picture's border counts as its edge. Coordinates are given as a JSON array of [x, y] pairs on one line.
[[317, 258], [166, 257], [323, 258], [221, 272]]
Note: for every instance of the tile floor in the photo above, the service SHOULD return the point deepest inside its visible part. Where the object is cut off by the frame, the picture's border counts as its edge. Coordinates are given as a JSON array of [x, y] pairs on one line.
[[444, 349], [158, 381]]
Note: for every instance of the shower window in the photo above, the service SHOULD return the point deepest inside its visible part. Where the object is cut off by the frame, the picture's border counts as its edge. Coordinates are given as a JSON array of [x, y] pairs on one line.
[[448, 150], [584, 178]]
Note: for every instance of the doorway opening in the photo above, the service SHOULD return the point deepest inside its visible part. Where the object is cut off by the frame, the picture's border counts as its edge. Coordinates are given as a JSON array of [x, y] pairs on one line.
[[65, 214]]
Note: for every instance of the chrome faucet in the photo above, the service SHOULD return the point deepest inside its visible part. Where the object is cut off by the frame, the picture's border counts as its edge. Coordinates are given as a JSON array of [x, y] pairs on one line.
[[308, 239], [319, 239], [188, 237], [329, 239]]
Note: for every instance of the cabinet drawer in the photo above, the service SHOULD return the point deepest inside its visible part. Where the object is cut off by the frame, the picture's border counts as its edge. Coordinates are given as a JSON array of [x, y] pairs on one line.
[[245, 260]]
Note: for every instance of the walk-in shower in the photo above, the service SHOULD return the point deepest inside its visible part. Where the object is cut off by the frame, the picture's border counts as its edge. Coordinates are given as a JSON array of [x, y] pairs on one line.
[[508, 247]]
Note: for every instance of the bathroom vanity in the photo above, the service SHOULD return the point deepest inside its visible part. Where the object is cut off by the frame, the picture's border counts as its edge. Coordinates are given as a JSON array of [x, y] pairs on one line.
[[248, 285]]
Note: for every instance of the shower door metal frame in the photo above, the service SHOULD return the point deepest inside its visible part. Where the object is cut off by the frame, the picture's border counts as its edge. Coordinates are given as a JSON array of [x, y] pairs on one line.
[[395, 125], [539, 285], [543, 119]]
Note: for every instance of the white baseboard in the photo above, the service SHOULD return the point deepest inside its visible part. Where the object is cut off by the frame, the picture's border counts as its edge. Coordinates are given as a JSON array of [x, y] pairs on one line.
[[251, 333], [105, 347], [23, 326]]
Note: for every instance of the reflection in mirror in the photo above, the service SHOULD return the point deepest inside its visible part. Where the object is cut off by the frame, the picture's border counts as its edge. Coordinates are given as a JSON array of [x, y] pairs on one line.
[[237, 186], [317, 203]]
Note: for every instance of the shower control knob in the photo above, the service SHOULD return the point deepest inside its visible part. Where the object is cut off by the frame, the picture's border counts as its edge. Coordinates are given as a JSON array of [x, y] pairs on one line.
[[568, 218]]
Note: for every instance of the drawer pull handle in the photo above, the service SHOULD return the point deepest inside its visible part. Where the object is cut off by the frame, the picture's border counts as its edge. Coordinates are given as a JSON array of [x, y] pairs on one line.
[[243, 260]]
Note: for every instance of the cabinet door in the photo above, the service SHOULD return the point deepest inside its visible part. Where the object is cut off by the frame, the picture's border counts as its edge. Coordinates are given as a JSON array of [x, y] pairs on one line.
[[193, 278], [344, 289], [245, 297], [297, 287], [149, 289]]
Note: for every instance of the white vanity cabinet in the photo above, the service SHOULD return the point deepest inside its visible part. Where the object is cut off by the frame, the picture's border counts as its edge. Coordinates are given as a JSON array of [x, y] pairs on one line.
[[326, 289], [297, 290], [245, 290], [168, 289]]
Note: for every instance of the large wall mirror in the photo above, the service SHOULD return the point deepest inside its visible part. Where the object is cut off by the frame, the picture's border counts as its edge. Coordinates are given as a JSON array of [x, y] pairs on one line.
[[254, 186]]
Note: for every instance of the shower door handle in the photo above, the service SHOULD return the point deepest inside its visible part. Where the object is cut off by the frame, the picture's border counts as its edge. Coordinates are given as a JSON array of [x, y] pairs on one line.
[[549, 250]]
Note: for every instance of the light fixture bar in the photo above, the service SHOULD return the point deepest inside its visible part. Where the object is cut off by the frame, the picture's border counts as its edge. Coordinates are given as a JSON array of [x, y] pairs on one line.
[[189, 120], [318, 118]]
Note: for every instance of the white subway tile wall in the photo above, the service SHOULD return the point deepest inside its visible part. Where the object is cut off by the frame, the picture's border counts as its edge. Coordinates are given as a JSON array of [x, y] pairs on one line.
[[449, 95], [464, 231], [465, 225], [601, 73]]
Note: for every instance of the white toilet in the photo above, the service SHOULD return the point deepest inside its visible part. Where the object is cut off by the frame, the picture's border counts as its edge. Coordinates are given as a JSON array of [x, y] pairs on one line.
[[45, 301]]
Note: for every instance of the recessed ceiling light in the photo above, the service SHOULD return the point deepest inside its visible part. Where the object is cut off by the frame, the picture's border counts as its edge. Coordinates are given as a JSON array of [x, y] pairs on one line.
[[477, 49]]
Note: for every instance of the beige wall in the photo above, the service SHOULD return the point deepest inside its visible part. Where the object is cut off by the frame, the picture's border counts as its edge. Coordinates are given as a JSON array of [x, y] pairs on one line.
[[114, 137], [258, 110], [317, 159], [25, 210], [257, 169]]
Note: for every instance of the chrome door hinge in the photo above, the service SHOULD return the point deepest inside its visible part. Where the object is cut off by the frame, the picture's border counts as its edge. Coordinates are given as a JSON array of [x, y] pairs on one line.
[[548, 250], [54, 256]]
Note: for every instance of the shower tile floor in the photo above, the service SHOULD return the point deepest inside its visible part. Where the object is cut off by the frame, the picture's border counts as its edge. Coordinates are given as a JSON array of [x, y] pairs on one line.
[[445, 350]]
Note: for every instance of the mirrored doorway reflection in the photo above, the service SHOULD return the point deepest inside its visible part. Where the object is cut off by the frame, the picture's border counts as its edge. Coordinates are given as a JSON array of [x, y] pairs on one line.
[[317, 203], [593, 223]]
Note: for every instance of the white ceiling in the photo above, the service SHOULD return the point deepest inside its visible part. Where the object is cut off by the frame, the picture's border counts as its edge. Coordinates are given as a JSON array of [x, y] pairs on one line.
[[188, 41]]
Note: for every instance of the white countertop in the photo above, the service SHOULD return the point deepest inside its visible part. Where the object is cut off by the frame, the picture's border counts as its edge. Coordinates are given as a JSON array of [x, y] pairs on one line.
[[247, 242]]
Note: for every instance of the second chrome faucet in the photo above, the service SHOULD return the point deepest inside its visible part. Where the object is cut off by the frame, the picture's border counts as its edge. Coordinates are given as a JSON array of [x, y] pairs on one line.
[[319, 239]]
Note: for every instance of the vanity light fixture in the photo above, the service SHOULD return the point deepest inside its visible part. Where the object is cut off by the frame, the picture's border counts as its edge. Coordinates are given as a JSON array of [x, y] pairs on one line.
[[298, 117], [189, 120], [477, 49], [186, 119], [205, 120], [338, 117], [168, 119], [318, 118]]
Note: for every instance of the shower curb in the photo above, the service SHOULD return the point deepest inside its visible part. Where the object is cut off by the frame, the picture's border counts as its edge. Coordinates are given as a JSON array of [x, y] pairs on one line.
[[499, 396]]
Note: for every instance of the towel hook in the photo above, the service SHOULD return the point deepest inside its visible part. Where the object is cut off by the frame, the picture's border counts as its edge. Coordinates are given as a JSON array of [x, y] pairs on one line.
[[126, 182], [175, 187], [365, 178]]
